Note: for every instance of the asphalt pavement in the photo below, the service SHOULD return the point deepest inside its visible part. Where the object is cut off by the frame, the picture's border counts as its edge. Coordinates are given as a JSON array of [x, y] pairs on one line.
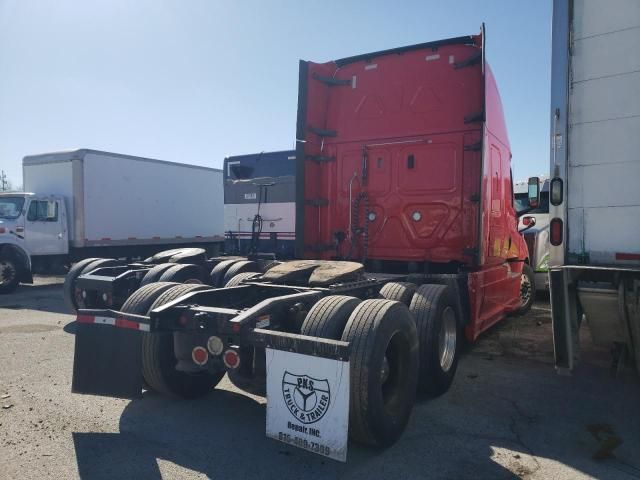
[[507, 415]]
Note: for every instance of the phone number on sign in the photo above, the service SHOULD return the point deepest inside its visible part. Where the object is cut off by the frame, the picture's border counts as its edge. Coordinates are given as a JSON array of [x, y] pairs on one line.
[[304, 443]]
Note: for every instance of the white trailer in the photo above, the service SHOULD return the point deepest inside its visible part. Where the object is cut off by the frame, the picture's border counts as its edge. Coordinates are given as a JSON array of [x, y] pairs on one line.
[[595, 170], [87, 203]]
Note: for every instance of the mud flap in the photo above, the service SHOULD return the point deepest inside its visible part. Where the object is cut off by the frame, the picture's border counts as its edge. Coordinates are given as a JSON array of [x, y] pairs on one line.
[[107, 361]]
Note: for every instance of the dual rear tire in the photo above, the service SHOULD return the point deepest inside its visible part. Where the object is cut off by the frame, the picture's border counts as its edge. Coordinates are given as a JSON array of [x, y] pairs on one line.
[[383, 362], [401, 346]]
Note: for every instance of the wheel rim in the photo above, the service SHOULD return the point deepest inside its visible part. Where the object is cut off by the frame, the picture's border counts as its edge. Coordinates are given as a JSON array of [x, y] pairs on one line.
[[525, 289], [7, 272], [447, 338]]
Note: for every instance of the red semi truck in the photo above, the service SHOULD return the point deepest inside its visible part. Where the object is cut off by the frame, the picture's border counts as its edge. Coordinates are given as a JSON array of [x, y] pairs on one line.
[[407, 240]]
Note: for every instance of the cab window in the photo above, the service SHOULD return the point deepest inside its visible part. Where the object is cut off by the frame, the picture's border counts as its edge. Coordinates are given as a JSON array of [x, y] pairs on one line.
[[43, 211]]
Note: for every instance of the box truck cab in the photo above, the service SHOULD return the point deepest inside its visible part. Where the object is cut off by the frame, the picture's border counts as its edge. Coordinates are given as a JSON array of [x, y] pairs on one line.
[[31, 227]]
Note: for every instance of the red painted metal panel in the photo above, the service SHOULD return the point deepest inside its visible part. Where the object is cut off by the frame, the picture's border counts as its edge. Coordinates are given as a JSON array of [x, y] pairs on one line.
[[399, 144]]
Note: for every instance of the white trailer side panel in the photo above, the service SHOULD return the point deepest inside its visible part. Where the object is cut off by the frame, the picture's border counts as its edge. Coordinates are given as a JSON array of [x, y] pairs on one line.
[[604, 125], [133, 200], [54, 178]]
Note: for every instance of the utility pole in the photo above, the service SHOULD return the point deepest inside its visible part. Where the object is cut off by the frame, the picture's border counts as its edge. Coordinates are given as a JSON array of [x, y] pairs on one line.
[[3, 180]]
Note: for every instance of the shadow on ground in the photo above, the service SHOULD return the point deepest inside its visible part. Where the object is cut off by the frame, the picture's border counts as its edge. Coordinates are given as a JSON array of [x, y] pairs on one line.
[[45, 297], [223, 436]]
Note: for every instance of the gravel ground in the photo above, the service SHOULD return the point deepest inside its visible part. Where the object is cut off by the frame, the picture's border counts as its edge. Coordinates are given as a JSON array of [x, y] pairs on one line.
[[508, 415]]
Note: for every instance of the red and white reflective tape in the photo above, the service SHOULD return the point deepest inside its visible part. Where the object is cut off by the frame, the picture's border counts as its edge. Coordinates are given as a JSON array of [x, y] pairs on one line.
[[119, 322]]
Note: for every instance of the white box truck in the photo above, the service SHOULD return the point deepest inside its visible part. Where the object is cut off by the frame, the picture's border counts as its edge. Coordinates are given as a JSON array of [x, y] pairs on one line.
[[595, 170], [87, 203]]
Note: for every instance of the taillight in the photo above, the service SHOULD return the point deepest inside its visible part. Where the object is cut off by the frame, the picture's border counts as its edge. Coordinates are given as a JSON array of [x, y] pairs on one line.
[[556, 191], [2, 230], [555, 227], [231, 359], [199, 355]]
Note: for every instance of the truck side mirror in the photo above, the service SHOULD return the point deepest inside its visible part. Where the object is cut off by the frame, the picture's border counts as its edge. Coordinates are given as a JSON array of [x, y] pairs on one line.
[[534, 191]]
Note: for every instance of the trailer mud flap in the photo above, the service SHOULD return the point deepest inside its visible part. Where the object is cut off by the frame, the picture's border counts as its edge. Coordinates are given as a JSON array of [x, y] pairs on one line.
[[107, 361], [308, 402]]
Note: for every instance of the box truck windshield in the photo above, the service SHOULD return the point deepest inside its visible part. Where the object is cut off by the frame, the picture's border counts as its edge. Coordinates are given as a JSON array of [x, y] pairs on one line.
[[10, 207]]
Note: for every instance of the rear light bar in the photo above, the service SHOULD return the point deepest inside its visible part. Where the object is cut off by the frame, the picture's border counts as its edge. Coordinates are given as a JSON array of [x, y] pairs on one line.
[[555, 227], [118, 322]]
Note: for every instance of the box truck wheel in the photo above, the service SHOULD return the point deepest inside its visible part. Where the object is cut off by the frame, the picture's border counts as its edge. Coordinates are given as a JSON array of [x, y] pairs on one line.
[[398, 291], [241, 277], [9, 278], [88, 301], [69, 287], [239, 267], [182, 273], [384, 368], [527, 289], [218, 272], [328, 317], [439, 333], [159, 360], [154, 274]]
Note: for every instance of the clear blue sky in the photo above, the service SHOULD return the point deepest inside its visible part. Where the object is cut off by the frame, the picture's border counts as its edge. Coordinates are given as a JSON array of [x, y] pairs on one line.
[[195, 81]]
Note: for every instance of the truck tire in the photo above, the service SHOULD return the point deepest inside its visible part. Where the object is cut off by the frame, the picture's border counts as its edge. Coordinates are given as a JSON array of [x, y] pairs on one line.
[[328, 317], [140, 301], [154, 274], [527, 289], [165, 255], [9, 278], [241, 277], [384, 368], [183, 273], [439, 334], [218, 272], [69, 287], [398, 291], [239, 267], [159, 360], [190, 255]]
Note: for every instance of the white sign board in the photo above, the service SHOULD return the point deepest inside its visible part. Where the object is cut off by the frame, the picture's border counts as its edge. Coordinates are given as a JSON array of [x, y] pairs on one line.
[[308, 402]]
